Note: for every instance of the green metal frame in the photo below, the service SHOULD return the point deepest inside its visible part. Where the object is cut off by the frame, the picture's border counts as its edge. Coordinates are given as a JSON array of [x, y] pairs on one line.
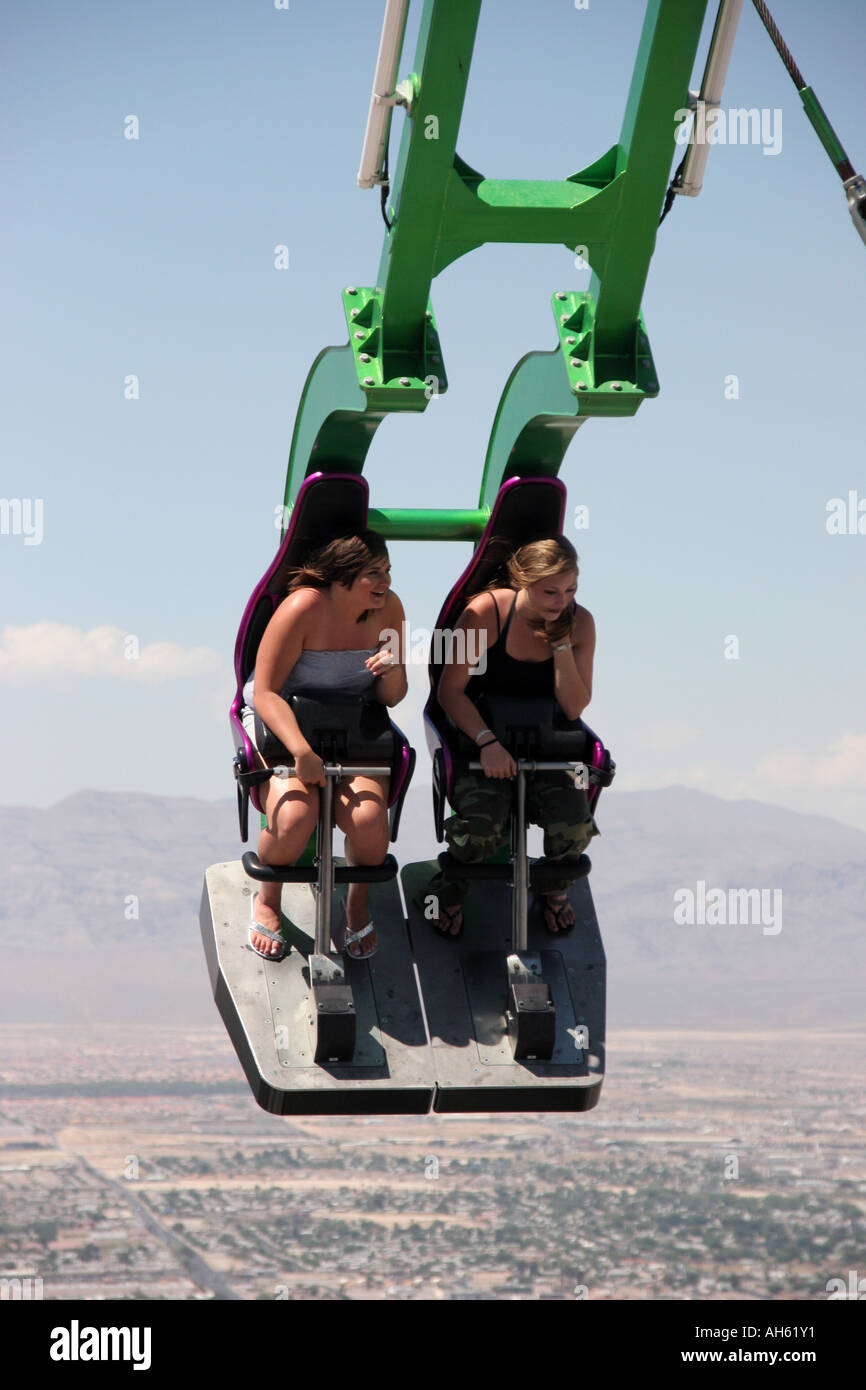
[[441, 209]]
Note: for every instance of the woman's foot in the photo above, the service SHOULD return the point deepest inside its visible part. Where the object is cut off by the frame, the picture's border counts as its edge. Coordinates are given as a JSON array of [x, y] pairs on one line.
[[558, 913], [356, 919], [449, 920], [268, 917]]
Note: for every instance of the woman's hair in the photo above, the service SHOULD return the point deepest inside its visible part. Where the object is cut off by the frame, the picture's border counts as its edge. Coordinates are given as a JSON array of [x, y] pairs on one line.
[[535, 560], [541, 559], [339, 562]]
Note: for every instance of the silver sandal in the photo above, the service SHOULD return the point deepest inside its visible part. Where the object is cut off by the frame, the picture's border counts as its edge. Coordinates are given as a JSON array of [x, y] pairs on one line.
[[271, 935], [351, 937]]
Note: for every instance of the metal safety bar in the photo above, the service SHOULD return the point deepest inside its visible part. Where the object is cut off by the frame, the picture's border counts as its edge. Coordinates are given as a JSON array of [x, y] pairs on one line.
[[336, 770], [324, 845], [520, 876]]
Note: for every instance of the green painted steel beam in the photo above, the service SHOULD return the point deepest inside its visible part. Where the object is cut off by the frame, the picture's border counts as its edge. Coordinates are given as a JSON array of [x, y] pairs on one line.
[[665, 58], [604, 348], [441, 209], [428, 524], [549, 395], [333, 429], [428, 148]]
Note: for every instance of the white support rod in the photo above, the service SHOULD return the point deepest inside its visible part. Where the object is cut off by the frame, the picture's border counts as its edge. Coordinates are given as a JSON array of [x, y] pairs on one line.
[[715, 72], [384, 82]]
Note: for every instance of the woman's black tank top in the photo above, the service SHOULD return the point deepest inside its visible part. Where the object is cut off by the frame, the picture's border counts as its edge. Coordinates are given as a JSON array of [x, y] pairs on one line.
[[505, 675]]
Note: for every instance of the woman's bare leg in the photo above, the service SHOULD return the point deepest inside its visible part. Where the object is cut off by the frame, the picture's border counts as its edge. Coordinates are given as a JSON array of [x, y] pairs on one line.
[[292, 810], [361, 812]]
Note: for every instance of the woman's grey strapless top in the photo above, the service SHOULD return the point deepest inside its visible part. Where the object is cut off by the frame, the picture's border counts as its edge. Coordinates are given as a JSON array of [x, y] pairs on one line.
[[343, 672]]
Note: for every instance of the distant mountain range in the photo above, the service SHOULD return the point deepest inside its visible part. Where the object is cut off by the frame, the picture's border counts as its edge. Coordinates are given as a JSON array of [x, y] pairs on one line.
[[99, 900]]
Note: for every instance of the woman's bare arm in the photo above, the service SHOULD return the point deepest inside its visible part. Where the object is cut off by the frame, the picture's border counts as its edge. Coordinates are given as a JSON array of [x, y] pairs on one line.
[[391, 682], [479, 616], [279, 650], [572, 669]]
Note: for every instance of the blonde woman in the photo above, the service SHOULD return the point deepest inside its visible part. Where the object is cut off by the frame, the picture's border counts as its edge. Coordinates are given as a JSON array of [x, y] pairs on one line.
[[539, 643]]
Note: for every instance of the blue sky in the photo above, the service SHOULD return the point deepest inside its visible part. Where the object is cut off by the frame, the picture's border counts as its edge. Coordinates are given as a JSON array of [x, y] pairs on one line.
[[155, 257]]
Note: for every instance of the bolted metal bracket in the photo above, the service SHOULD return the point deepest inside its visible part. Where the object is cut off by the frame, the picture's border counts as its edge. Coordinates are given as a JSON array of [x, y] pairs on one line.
[[332, 1020], [404, 94], [396, 380], [579, 773], [606, 386], [530, 1011], [855, 189]]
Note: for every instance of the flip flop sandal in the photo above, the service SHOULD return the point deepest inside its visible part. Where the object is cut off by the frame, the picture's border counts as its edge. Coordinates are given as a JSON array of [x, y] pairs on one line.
[[450, 913], [545, 907], [265, 931], [420, 901], [350, 938]]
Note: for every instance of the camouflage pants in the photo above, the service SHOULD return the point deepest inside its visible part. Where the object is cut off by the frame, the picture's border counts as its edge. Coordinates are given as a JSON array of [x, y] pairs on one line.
[[480, 825]]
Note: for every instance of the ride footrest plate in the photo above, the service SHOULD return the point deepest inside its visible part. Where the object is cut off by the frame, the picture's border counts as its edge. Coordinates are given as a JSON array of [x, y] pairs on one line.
[[465, 986], [274, 1019]]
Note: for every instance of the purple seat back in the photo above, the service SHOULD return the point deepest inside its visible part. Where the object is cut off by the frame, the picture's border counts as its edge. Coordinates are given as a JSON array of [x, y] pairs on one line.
[[327, 505], [524, 508]]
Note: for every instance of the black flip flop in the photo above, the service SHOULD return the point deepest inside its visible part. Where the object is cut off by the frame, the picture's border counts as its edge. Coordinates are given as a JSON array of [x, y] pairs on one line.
[[539, 913], [420, 902]]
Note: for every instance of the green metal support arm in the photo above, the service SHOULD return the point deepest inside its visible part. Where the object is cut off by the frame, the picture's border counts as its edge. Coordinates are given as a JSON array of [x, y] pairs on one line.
[[442, 209]]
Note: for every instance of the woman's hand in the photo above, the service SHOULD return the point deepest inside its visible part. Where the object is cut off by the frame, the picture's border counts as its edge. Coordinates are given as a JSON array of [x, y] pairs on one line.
[[558, 630], [496, 761], [310, 768], [388, 664], [382, 662]]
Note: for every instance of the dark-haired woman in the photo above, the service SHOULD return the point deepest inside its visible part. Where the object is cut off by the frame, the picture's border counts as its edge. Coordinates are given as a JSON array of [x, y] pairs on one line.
[[538, 643], [326, 634]]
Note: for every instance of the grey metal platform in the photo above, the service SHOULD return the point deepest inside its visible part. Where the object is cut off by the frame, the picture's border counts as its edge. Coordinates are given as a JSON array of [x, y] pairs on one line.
[[264, 1006], [463, 984]]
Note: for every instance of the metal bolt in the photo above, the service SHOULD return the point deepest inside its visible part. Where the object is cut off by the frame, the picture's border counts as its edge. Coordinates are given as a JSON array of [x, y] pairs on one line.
[[368, 381], [617, 385], [360, 333], [351, 290], [364, 356], [427, 314], [353, 313], [582, 386], [560, 294], [404, 381], [571, 341], [563, 318]]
